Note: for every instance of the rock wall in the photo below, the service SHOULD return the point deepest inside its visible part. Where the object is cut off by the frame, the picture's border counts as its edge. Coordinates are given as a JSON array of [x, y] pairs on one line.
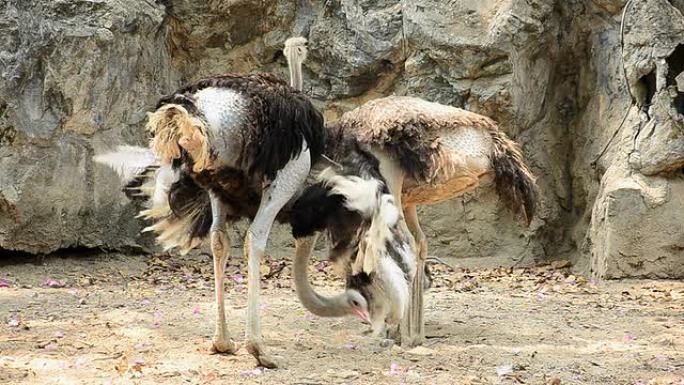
[[78, 76]]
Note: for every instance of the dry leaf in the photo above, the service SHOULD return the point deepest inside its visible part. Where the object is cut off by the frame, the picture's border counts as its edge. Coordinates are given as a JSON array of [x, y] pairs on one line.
[[122, 366]]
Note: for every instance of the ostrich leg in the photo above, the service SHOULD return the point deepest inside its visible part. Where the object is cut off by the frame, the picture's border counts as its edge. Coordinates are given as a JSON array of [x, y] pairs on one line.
[[220, 248], [284, 186], [394, 176], [412, 326]]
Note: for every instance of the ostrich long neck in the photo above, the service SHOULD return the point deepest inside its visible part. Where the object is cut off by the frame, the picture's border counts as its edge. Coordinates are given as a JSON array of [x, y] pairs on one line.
[[294, 63], [319, 305]]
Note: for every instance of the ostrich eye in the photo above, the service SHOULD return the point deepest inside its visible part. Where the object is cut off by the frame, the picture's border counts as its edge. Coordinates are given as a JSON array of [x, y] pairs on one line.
[[354, 303]]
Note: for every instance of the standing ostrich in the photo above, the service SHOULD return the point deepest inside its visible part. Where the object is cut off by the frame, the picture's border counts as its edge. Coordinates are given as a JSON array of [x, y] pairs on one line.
[[428, 153], [226, 147], [244, 146]]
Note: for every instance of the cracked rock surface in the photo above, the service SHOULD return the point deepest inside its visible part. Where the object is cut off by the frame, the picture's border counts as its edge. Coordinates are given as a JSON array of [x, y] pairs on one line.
[[601, 119]]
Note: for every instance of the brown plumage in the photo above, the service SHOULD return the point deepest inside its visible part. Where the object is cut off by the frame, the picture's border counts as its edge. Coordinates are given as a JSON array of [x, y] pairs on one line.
[[436, 145]]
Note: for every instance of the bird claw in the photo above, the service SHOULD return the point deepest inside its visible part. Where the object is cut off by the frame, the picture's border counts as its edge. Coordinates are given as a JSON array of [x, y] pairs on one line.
[[263, 358], [224, 347]]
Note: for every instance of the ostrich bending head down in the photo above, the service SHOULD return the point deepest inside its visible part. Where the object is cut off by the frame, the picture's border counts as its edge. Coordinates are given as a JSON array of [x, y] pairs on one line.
[[353, 204], [428, 153], [243, 146]]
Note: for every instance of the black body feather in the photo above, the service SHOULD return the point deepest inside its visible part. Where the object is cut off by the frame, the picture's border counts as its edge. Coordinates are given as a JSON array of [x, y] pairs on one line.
[[279, 120], [406, 144]]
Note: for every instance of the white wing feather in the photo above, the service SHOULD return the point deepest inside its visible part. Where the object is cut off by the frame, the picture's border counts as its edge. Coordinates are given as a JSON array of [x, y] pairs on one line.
[[128, 161]]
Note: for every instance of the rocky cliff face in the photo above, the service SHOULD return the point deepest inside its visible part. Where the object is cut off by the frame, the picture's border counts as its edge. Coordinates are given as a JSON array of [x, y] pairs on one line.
[[79, 75]]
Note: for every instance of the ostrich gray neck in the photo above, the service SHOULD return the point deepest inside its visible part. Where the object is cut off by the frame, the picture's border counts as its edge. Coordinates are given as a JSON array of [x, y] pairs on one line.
[[317, 304], [294, 64]]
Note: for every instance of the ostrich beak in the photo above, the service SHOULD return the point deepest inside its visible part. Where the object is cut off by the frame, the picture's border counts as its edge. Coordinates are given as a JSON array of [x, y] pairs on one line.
[[361, 314]]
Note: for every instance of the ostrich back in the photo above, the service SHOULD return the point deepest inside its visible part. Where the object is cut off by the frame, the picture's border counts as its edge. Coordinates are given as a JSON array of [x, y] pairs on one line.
[[432, 142], [256, 122]]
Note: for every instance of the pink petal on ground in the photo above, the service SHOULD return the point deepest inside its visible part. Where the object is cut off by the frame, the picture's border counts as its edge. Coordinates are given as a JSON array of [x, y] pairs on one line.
[[145, 302], [4, 283], [238, 278], [13, 322], [252, 373], [395, 369], [59, 334], [143, 346], [263, 306], [80, 363], [53, 283], [629, 337], [662, 358], [157, 319], [139, 361], [320, 266], [196, 310], [351, 346], [73, 291], [51, 346]]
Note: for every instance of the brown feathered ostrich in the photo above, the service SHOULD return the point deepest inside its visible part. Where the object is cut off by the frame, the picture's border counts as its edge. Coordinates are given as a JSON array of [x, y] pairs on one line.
[[248, 146], [428, 153]]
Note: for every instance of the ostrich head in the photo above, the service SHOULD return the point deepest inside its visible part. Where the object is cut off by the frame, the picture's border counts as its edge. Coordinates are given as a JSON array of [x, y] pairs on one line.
[[174, 128], [357, 305], [295, 52]]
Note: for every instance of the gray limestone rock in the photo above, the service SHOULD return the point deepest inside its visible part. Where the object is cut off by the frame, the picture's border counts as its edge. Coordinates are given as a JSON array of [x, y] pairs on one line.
[[601, 120]]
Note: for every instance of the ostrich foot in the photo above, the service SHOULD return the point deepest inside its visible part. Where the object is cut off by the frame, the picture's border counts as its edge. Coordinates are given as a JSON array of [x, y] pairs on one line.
[[264, 359], [226, 346], [427, 278], [395, 334]]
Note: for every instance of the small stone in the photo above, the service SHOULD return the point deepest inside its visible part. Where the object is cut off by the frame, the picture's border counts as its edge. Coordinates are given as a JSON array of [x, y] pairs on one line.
[[504, 370], [560, 264], [82, 301], [421, 351], [345, 374]]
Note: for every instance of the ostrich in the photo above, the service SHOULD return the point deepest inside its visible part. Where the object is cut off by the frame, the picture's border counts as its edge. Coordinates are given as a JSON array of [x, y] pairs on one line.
[[353, 203], [248, 146], [227, 147], [428, 153]]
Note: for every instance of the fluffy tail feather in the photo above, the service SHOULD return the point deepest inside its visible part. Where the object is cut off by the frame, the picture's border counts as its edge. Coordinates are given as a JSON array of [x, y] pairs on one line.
[[177, 206], [514, 181], [183, 220], [129, 162]]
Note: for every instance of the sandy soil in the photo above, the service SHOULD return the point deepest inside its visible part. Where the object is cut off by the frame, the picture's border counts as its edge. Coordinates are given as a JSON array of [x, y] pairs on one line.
[[148, 320]]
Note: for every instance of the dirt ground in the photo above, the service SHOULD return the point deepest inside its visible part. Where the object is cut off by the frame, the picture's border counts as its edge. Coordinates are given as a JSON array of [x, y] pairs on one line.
[[148, 320]]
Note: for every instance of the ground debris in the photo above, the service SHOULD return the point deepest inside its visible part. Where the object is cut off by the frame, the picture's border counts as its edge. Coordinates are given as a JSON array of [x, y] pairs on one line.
[[153, 324]]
